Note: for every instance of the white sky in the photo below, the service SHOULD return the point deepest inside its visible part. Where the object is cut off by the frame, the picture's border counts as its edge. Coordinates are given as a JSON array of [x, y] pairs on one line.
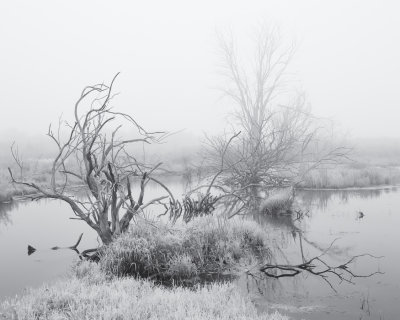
[[348, 59]]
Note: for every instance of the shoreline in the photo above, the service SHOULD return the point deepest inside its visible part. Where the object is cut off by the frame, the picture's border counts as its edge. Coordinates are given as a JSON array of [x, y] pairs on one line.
[[380, 187], [20, 198]]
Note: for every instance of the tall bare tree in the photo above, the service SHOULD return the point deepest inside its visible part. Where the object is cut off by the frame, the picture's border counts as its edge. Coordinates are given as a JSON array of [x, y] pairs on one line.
[[93, 153], [279, 137]]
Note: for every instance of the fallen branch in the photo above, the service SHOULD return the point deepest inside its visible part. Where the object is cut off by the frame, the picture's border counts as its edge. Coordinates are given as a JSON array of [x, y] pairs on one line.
[[90, 254], [318, 267], [74, 247]]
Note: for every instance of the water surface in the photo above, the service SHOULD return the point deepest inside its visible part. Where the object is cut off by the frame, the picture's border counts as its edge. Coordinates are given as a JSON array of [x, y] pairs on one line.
[[332, 215], [335, 215]]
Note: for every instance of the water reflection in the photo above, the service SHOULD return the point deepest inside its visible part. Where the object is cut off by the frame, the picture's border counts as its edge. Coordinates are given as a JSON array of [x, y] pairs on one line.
[[333, 214], [282, 222], [5, 209], [321, 198], [42, 225]]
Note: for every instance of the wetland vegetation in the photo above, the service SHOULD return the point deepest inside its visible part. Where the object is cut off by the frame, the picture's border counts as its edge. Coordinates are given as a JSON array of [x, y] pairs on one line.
[[156, 246]]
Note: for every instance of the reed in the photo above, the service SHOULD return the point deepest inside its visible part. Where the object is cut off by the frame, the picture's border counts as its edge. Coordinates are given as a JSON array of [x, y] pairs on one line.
[[351, 177]]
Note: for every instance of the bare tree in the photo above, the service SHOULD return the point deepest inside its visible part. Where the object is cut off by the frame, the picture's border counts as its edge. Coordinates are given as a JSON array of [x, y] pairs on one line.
[[280, 138], [94, 155]]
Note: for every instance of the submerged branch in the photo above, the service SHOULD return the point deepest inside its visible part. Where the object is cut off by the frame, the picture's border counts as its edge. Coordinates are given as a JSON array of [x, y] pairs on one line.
[[73, 247], [319, 267]]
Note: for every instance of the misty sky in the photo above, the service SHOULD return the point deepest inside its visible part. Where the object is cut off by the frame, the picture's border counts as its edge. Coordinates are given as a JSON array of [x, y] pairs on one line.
[[348, 59]]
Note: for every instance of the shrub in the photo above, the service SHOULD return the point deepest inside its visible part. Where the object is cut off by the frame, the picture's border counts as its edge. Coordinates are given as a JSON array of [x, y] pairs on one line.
[[279, 202], [204, 245]]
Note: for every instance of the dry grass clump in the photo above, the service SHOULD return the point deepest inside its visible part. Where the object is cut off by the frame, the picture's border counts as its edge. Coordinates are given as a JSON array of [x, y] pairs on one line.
[[279, 202], [83, 296], [351, 177], [204, 245], [181, 266]]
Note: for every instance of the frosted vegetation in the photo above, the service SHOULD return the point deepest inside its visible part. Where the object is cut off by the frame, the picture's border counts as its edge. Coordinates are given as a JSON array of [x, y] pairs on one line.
[[356, 175], [361, 176], [272, 147], [162, 252], [90, 294], [279, 202], [119, 286]]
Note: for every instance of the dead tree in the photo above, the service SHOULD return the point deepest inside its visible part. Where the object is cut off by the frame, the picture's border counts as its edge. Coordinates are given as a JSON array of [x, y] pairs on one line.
[[280, 137], [91, 152]]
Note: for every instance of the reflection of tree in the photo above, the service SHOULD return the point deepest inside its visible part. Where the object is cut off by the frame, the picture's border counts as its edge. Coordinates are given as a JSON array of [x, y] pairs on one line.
[[253, 284], [5, 208], [320, 198], [333, 265], [285, 222]]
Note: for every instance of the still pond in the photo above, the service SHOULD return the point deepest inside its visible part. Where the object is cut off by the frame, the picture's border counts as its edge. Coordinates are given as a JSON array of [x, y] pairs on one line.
[[331, 215]]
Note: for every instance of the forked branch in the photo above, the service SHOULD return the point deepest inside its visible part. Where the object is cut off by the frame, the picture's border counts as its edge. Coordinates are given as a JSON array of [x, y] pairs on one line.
[[318, 266]]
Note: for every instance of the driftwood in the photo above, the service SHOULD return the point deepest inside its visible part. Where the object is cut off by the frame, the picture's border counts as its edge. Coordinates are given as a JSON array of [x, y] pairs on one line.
[[74, 247], [318, 267], [30, 250], [90, 254]]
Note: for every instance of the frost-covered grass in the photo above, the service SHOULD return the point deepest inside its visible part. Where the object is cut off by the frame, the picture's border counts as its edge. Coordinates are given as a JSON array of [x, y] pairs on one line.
[[37, 171], [278, 202], [6, 188], [351, 177], [8, 192], [88, 294], [207, 244]]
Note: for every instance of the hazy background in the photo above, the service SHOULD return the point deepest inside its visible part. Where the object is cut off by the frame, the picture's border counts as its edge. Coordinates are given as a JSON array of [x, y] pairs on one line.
[[347, 60]]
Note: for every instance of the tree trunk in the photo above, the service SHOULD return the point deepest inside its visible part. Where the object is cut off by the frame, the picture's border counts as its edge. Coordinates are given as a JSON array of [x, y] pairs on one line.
[[106, 237], [105, 232]]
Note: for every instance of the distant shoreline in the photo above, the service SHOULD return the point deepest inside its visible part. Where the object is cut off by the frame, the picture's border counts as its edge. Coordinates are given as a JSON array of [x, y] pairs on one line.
[[380, 187]]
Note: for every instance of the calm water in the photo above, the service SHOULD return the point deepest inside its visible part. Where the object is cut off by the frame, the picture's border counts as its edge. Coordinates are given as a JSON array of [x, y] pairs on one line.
[[333, 215], [43, 225]]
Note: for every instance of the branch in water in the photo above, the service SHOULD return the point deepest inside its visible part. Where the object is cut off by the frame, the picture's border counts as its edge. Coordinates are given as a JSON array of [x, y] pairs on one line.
[[319, 267], [74, 247]]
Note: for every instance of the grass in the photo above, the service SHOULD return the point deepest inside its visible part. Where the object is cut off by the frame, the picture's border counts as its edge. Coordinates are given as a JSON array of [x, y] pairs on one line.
[[35, 171], [351, 177], [90, 294], [207, 244], [279, 202], [8, 190]]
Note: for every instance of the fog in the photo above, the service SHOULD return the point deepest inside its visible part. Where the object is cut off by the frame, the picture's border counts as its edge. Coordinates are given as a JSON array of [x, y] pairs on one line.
[[167, 53], [271, 178]]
